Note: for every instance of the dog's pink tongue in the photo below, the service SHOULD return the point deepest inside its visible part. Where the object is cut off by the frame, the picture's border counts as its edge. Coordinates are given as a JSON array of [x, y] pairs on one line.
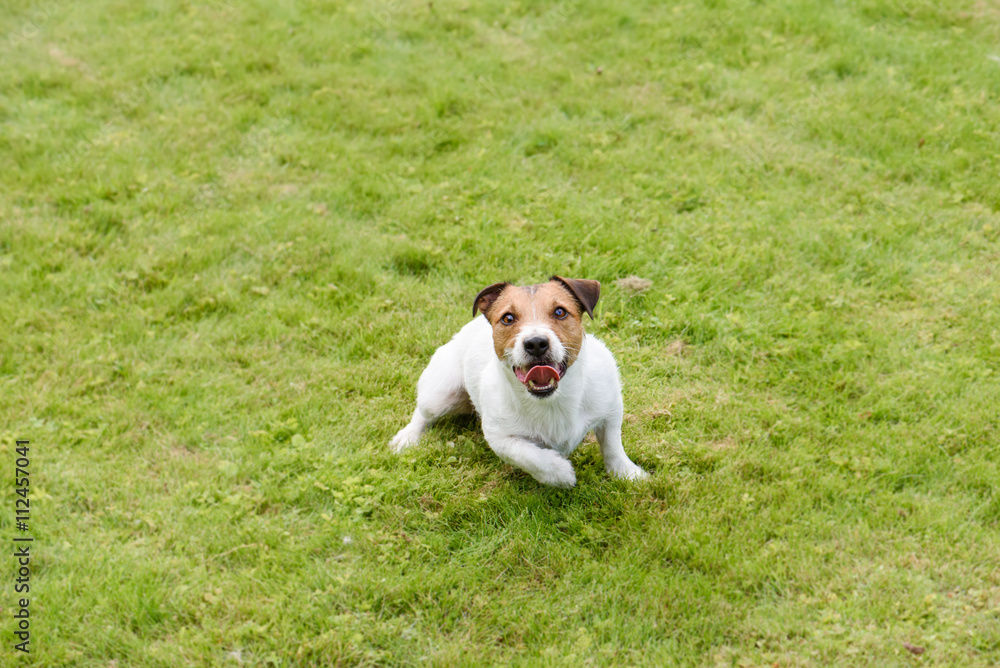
[[541, 375]]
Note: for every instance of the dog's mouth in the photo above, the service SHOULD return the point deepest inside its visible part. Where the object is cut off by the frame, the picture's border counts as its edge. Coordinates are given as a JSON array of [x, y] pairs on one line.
[[541, 380]]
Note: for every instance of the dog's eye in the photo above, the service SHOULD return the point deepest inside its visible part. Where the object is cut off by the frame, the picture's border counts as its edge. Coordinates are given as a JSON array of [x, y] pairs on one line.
[[560, 313], [507, 319]]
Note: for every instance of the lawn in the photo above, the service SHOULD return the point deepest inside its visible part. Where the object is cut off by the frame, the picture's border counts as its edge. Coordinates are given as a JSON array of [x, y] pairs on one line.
[[232, 234]]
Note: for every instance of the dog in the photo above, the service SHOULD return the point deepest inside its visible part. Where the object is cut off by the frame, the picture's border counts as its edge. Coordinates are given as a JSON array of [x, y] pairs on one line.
[[537, 381]]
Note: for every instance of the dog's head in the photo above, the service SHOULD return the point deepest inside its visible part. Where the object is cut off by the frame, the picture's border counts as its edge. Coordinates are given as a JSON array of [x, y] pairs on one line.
[[538, 329]]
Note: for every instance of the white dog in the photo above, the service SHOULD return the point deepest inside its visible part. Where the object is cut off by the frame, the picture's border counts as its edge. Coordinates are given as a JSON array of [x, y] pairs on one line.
[[537, 381]]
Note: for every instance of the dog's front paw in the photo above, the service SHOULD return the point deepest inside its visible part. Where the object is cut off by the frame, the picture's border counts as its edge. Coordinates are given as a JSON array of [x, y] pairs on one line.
[[556, 471], [407, 437], [627, 471]]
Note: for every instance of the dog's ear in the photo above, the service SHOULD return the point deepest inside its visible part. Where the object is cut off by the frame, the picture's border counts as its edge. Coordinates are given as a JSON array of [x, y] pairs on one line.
[[486, 297], [587, 292]]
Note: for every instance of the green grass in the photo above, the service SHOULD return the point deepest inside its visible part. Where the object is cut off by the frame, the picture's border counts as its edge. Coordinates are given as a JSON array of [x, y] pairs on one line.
[[232, 234]]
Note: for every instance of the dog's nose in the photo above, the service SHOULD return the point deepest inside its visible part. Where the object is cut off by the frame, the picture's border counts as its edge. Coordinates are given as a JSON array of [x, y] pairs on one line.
[[536, 346]]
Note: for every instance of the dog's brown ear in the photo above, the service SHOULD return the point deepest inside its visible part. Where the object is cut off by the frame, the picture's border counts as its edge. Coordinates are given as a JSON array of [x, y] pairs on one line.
[[587, 292], [486, 297]]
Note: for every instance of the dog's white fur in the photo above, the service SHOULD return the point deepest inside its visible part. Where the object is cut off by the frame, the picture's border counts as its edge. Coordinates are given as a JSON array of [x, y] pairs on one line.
[[531, 433]]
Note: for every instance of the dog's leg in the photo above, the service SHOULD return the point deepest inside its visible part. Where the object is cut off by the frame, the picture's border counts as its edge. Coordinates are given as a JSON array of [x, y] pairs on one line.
[[546, 466], [410, 434], [616, 462], [440, 392]]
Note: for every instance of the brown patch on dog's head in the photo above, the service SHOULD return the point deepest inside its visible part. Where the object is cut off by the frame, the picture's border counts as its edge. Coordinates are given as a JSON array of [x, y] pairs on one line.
[[508, 312], [549, 298]]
